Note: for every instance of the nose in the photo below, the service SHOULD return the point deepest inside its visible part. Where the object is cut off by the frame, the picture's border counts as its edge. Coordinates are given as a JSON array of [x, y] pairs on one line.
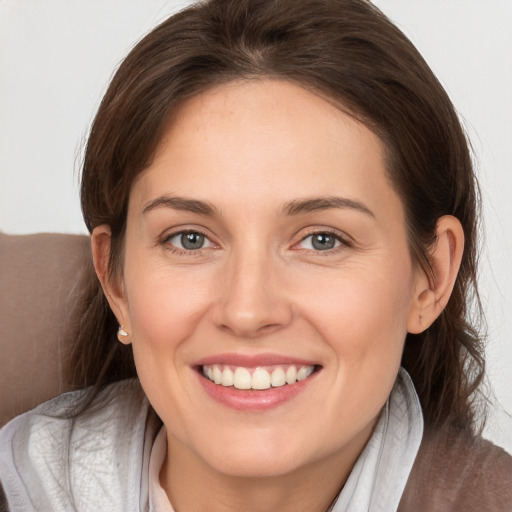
[[253, 299]]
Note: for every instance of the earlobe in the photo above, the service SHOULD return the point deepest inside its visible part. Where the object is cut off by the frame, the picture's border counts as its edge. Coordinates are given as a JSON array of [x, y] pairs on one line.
[[433, 292], [112, 285]]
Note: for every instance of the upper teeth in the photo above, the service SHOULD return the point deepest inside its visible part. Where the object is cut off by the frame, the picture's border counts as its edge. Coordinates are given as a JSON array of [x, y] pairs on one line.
[[256, 378]]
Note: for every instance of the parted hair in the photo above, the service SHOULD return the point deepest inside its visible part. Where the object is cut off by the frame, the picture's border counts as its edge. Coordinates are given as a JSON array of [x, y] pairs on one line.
[[349, 53]]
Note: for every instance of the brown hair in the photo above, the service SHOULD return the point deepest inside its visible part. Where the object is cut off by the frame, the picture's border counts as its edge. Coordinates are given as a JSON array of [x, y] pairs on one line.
[[351, 54]]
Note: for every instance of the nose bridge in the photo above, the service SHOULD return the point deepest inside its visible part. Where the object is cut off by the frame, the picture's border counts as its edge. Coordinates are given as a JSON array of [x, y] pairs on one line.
[[252, 302]]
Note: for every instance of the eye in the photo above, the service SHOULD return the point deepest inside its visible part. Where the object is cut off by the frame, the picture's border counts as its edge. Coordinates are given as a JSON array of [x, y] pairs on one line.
[[322, 241], [189, 240]]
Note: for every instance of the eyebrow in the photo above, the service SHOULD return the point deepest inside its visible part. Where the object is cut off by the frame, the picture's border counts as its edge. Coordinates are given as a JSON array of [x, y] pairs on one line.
[[181, 203], [309, 205], [295, 207]]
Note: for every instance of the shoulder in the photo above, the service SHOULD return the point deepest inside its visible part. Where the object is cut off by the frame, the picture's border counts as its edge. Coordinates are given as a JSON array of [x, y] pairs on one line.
[[58, 416], [48, 455], [455, 471]]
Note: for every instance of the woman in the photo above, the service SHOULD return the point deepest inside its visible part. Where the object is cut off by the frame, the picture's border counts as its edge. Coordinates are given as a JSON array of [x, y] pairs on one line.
[[283, 213]]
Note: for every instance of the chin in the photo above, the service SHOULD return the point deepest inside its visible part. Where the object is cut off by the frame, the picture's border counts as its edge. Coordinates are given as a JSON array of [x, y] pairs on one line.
[[259, 467], [262, 459]]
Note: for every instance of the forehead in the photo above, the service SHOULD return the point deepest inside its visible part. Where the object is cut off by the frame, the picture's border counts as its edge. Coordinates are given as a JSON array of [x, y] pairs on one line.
[[270, 137]]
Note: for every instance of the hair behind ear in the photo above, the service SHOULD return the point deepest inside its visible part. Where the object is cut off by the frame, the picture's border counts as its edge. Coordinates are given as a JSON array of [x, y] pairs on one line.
[[97, 358], [443, 352]]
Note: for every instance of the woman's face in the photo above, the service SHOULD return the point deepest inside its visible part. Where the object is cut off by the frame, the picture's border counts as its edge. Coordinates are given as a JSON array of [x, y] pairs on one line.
[[266, 248]]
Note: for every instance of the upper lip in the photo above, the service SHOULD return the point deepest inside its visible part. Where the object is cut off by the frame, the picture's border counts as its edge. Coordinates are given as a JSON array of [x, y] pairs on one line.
[[254, 360]]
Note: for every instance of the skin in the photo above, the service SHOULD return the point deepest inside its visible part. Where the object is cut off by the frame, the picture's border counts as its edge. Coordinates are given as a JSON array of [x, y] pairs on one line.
[[249, 150]]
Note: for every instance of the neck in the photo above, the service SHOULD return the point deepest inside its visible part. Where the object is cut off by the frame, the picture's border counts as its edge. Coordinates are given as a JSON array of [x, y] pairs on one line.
[[194, 486]]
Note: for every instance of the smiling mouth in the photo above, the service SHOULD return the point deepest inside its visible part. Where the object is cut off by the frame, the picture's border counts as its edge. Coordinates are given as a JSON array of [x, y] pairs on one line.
[[258, 378]]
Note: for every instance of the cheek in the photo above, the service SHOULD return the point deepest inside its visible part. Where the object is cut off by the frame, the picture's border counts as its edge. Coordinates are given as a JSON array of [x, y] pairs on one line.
[[363, 316], [164, 304]]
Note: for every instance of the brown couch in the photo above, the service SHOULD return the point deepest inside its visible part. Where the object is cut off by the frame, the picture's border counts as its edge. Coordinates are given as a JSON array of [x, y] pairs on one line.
[[39, 285]]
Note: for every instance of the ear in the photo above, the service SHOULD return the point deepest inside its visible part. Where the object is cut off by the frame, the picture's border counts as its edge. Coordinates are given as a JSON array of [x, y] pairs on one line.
[[112, 285], [432, 293]]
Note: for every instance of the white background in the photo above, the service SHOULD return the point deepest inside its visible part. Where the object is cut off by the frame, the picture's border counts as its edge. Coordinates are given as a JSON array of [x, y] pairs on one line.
[[57, 56]]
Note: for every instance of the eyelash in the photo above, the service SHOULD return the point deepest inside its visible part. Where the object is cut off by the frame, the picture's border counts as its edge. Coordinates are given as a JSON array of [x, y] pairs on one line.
[[343, 242]]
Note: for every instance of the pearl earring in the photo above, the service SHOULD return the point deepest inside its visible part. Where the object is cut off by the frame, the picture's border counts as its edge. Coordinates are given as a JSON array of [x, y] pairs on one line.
[[122, 334]]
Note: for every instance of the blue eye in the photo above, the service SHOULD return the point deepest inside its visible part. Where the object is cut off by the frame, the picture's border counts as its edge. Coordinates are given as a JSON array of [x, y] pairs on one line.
[[320, 242], [189, 241]]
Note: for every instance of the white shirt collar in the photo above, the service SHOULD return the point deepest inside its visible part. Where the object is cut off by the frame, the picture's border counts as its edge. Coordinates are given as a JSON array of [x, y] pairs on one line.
[[378, 478], [158, 500]]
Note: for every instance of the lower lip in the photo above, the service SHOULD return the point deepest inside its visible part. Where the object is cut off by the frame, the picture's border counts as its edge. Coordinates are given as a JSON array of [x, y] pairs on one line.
[[254, 400]]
